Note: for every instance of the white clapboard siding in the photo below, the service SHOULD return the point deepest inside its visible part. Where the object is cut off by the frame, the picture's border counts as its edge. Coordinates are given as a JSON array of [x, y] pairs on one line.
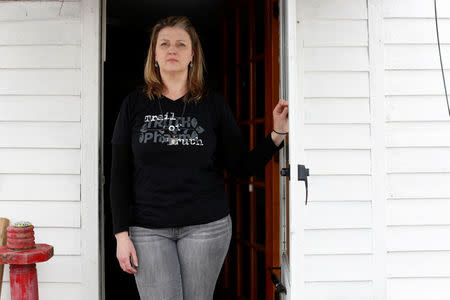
[[42, 161], [329, 161], [43, 213], [377, 140], [351, 214], [415, 8], [335, 188], [338, 241], [40, 187], [409, 159], [40, 81], [337, 136], [416, 57], [334, 33], [418, 134], [40, 130], [336, 84], [39, 10], [345, 267], [59, 268], [336, 139], [337, 110], [57, 32], [332, 9], [40, 56], [417, 185], [418, 212], [416, 108], [337, 59], [414, 82], [68, 291], [40, 135], [418, 264], [415, 31], [418, 288], [65, 241], [40, 108], [417, 141], [348, 290], [417, 238]]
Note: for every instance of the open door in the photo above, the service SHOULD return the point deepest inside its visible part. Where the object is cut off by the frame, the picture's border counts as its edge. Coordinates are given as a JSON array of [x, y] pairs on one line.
[[284, 161], [250, 78], [293, 186]]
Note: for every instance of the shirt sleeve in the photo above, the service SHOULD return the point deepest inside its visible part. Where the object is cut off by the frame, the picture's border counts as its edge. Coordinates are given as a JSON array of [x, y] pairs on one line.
[[121, 133], [121, 187], [237, 159], [121, 170]]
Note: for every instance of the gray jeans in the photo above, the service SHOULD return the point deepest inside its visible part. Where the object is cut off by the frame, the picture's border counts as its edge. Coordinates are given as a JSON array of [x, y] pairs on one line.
[[181, 263]]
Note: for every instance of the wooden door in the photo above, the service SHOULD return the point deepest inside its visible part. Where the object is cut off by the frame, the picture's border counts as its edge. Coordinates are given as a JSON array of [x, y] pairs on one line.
[[251, 85]]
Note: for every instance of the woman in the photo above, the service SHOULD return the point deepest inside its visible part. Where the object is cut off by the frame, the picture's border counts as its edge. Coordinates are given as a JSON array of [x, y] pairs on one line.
[[170, 142]]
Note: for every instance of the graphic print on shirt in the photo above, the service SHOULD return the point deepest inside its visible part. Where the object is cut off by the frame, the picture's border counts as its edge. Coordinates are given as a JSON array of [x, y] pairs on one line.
[[171, 130]]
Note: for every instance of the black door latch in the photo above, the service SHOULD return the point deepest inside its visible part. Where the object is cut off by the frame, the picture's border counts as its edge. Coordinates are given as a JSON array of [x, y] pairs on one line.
[[303, 174]]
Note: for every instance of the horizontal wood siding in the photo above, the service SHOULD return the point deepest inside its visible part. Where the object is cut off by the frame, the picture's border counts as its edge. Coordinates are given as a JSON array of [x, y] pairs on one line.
[[418, 140], [362, 110], [338, 225], [40, 129]]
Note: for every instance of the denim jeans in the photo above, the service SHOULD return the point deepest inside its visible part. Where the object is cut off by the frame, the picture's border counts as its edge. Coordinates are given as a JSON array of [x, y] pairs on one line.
[[180, 263]]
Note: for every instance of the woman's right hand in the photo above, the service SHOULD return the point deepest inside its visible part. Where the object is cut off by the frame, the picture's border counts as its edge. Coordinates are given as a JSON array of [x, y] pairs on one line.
[[125, 249]]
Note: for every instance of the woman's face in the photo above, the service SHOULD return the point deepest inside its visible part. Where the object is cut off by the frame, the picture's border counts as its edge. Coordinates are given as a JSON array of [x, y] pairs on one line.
[[173, 50]]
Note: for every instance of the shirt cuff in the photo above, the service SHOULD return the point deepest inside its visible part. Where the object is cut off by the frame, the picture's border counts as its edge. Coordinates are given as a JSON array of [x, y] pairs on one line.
[[272, 144], [120, 228]]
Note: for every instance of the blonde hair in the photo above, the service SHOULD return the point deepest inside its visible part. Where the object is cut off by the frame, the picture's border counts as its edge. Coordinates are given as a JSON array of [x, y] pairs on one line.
[[153, 82]]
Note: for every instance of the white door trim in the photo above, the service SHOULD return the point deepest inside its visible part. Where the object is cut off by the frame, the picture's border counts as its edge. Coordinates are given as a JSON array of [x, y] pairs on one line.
[[294, 85], [90, 145]]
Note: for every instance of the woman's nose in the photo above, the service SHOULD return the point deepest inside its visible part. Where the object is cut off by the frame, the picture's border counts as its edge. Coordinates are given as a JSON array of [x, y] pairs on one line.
[[171, 49]]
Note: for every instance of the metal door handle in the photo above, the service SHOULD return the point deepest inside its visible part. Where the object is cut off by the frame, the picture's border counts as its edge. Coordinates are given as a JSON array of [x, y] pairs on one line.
[[303, 174]]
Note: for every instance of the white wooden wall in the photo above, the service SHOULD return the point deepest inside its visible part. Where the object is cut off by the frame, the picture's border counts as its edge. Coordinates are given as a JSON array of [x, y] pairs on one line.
[[377, 135], [40, 136]]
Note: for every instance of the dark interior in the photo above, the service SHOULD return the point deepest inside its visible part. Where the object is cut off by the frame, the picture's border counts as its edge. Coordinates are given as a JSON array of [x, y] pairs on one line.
[[129, 25]]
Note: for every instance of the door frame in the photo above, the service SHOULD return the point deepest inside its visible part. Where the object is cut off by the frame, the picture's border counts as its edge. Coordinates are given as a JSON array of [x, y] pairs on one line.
[[93, 20], [91, 147], [291, 40]]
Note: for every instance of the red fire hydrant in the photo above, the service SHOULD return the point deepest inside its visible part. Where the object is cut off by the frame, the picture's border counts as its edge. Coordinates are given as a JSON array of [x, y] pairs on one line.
[[22, 254]]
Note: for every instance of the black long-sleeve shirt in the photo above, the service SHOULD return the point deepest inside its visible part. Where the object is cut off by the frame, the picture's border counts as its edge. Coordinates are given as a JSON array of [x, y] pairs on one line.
[[157, 184]]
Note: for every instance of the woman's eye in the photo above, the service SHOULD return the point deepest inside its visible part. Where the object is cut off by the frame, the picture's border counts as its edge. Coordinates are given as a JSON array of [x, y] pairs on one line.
[[163, 44], [181, 45]]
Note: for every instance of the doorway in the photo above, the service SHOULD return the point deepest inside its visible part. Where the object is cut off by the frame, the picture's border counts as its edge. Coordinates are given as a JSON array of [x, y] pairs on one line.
[[240, 41]]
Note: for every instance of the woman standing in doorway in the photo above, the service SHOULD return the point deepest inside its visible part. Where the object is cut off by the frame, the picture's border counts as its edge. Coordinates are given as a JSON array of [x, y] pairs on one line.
[[170, 143]]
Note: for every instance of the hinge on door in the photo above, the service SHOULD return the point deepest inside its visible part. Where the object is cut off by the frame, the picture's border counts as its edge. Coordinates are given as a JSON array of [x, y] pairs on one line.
[[276, 10], [279, 287], [303, 174]]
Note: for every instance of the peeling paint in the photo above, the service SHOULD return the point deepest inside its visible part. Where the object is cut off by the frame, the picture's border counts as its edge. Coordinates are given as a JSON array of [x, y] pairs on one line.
[[62, 3]]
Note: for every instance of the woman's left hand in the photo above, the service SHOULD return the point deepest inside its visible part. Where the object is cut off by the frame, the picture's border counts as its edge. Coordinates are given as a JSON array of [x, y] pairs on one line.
[[280, 116]]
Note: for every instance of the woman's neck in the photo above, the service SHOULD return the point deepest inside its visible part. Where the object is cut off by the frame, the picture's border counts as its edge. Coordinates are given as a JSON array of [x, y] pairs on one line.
[[175, 84]]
